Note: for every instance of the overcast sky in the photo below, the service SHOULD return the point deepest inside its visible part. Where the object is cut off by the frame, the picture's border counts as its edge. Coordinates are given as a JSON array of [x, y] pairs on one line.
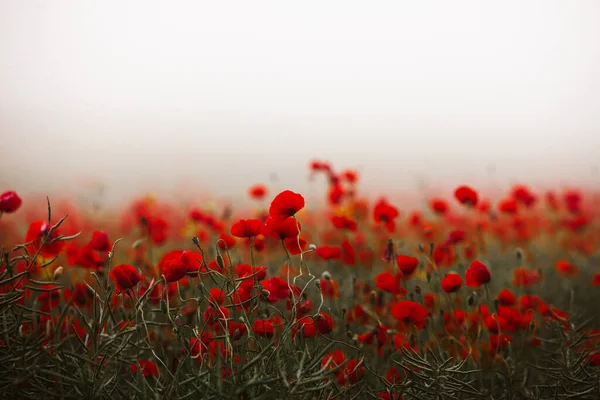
[[221, 94]]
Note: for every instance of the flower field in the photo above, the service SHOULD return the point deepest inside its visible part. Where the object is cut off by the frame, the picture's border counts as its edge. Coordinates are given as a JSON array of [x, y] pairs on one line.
[[467, 297]]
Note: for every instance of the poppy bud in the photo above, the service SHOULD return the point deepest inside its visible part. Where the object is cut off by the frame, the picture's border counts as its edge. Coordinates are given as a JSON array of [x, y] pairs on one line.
[[519, 254], [57, 273], [428, 277], [312, 247], [163, 306], [421, 248], [471, 300], [318, 283], [196, 241], [220, 261], [326, 275], [418, 289]]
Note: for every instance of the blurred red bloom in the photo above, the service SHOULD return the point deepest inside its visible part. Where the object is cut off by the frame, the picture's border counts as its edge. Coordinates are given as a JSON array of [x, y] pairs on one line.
[[477, 274], [439, 206], [596, 279], [246, 228], [10, 202], [258, 191], [525, 277], [329, 252], [507, 298], [565, 268], [343, 222], [451, 283], [466, 195], [286, 204], [225, 242], [125, 276]]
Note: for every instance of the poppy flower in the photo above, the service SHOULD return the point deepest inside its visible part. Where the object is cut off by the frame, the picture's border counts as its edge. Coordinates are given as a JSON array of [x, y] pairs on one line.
[[286, 204], [149, 368], [506, 298], [324, 323], [477, 274], [243, 270], [351, 373], [508, 206], [451, 283], [37, 233], [343, 222], [523, 195], [125, 276], [277, 287], [178, 263], [291, 244], [348, 253], [596, 279], [10, 202], [99, 241], [525, 277], [288, 228], [258, 191], [466, 195], [335, 194], [388, 282], [246, 228], [386, 213], [225, 241], [566, 268], [263, 327], [407, 264], [410, 312], [439, 206], [329, 252]]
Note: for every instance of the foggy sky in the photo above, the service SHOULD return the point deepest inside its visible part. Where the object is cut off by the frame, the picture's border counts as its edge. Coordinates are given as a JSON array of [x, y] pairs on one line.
[[219, 95]]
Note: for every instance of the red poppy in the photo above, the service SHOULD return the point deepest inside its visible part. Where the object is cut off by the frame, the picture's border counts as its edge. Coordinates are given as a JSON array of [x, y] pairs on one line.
[[177, 263], [407, 264], [348, 253], [334, 359], [566, 268], [37, 232], [10, 202], [125, 276], [258, 191], [525, 277], [324, 323], [506, 298], [243, 270], [263, 327], [288, 228], [246, 228], [596, 279], [466, 195], [508, 206], [351, 373], [439, 206], [389, 282], [291, 244], [385, 212], [477, 274], [523, 195], [286, 204], [451, 283], [277, 287], [149, 368], [343, 222], [329, 252], [225, 242], [410, 312], [99, 241], [335, 194]]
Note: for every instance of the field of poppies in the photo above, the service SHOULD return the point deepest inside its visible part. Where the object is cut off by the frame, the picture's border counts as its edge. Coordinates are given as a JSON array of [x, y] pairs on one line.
[[469, 297]]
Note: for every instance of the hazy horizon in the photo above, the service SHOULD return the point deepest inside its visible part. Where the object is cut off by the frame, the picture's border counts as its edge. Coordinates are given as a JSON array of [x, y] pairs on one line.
[[140, 95]]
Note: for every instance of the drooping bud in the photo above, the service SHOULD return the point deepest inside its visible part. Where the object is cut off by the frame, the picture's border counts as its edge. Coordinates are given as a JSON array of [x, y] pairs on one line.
[[57, 273]]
